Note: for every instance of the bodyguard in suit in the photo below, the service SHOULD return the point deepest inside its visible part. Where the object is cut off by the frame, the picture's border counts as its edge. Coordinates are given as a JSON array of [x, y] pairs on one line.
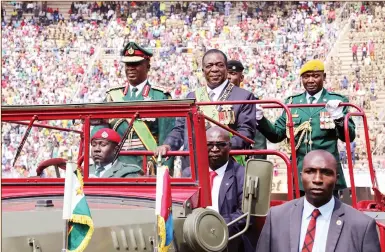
[[104, 144], [226, 180], [318, 221], [239, 117], [317, 127], [235, 75], [148, 133]]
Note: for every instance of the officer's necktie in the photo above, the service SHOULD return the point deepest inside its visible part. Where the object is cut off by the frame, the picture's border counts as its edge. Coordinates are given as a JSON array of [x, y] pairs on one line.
[[310, 233], [211, 95], [212, 176], [133, 92], [99, 170], [311, 100]]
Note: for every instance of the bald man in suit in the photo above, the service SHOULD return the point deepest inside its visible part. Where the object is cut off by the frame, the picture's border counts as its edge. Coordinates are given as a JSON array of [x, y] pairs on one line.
[[318, 221]]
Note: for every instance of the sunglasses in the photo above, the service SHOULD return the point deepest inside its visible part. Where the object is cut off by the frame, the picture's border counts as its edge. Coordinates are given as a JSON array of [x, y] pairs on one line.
[[219, 145]]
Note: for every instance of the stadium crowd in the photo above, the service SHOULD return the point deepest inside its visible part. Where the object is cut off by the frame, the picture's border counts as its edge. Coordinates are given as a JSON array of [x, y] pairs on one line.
[[49, 59]]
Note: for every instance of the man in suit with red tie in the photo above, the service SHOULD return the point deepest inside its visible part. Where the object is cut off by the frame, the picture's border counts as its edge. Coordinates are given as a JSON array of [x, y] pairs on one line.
[[226, 180], [318, 221]]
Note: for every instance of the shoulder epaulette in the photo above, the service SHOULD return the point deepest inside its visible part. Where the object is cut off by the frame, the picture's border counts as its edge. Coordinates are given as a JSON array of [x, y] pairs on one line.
[[289, 99], [337, 94], [114, 88], [160, 88]]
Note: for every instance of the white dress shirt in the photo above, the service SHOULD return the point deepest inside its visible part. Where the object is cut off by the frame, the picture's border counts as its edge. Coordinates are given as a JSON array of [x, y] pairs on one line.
[[316, 96], [322, 224], [217, 91], [106, 167], [217, 185], [139, 87]]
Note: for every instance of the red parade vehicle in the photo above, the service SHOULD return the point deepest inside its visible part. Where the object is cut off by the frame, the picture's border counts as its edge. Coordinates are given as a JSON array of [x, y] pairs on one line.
[[123, 208]]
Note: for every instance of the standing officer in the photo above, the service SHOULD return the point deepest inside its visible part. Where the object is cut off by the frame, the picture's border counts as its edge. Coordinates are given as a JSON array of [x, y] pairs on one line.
[[317, 127], [239, 117], [147, 133], [235, 76]]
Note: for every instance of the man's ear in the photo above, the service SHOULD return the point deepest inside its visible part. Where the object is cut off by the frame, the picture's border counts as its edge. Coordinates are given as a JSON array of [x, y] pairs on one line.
[[242, 77]]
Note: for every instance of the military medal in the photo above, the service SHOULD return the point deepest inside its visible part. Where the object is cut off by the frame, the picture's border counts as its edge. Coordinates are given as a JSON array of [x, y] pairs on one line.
[[227, 115], [322, 120], [327, 120]]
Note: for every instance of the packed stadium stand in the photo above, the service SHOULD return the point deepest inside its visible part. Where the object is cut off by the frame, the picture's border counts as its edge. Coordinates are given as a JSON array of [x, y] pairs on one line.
[[63, 52]]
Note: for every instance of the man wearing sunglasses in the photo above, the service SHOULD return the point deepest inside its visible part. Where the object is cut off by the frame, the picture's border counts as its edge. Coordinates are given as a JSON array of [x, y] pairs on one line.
[[226, 181], [147, 132]]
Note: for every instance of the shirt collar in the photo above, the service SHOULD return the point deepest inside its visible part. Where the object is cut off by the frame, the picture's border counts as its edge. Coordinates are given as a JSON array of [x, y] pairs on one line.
[[106, 167], [326, 210], [218, 89], [221, 170], [316, 96], [139, 87]]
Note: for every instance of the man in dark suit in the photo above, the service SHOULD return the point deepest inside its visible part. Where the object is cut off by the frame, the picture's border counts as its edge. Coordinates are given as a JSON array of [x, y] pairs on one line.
[[226, 180], [235, 75], [104, 144], [317, 127], [238, 117], [318, 222]]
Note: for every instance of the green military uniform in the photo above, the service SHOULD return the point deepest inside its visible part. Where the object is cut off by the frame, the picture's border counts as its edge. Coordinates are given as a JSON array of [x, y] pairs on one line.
[[324, 133], [118, 170], [147, 133]]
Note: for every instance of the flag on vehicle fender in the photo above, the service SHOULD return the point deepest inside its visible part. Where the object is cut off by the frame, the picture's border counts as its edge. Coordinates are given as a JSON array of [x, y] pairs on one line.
[[77, 212], [163, 209]]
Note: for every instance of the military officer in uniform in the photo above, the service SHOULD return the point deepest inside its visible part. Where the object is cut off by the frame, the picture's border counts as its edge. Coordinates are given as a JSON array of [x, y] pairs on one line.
[[235, 75], [104, 144], [147, 133], [315, 128]]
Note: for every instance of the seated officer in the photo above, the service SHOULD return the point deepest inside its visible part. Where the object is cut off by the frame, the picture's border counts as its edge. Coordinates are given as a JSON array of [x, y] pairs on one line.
[[104, 144]]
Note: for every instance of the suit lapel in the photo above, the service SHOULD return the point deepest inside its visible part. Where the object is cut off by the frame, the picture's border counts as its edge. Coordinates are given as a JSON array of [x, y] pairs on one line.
[[302, 100], [110, 172], [335, 227], [227, 181], [295, 222], [91, 169]]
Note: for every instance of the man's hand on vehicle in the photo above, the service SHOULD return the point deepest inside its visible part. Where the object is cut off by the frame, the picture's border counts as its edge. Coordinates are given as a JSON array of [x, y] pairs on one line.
[[162, 150]]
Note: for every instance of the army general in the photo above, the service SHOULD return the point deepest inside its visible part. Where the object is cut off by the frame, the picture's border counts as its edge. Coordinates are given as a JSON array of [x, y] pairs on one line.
[[147, 132], [316, 127]]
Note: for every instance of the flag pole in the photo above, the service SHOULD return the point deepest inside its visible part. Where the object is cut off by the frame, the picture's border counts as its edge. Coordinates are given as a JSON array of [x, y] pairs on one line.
[[157, 204], [65, 236], [67, 201]]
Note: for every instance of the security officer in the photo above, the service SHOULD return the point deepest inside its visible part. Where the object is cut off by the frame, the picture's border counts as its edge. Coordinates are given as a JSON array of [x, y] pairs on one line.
[[104, 144], [235, 76], [147, 133], [317, 127]]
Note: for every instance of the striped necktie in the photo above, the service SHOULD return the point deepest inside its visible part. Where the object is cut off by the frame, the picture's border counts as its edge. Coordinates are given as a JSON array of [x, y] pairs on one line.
[[310, 233]]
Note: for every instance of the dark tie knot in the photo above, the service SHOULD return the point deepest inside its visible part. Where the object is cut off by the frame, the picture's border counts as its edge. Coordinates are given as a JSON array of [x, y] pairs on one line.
[[315, 213], [311, 99], [134, 89]]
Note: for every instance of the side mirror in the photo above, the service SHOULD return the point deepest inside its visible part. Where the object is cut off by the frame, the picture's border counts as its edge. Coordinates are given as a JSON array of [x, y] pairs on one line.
[[257, 187], [256, 191]]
